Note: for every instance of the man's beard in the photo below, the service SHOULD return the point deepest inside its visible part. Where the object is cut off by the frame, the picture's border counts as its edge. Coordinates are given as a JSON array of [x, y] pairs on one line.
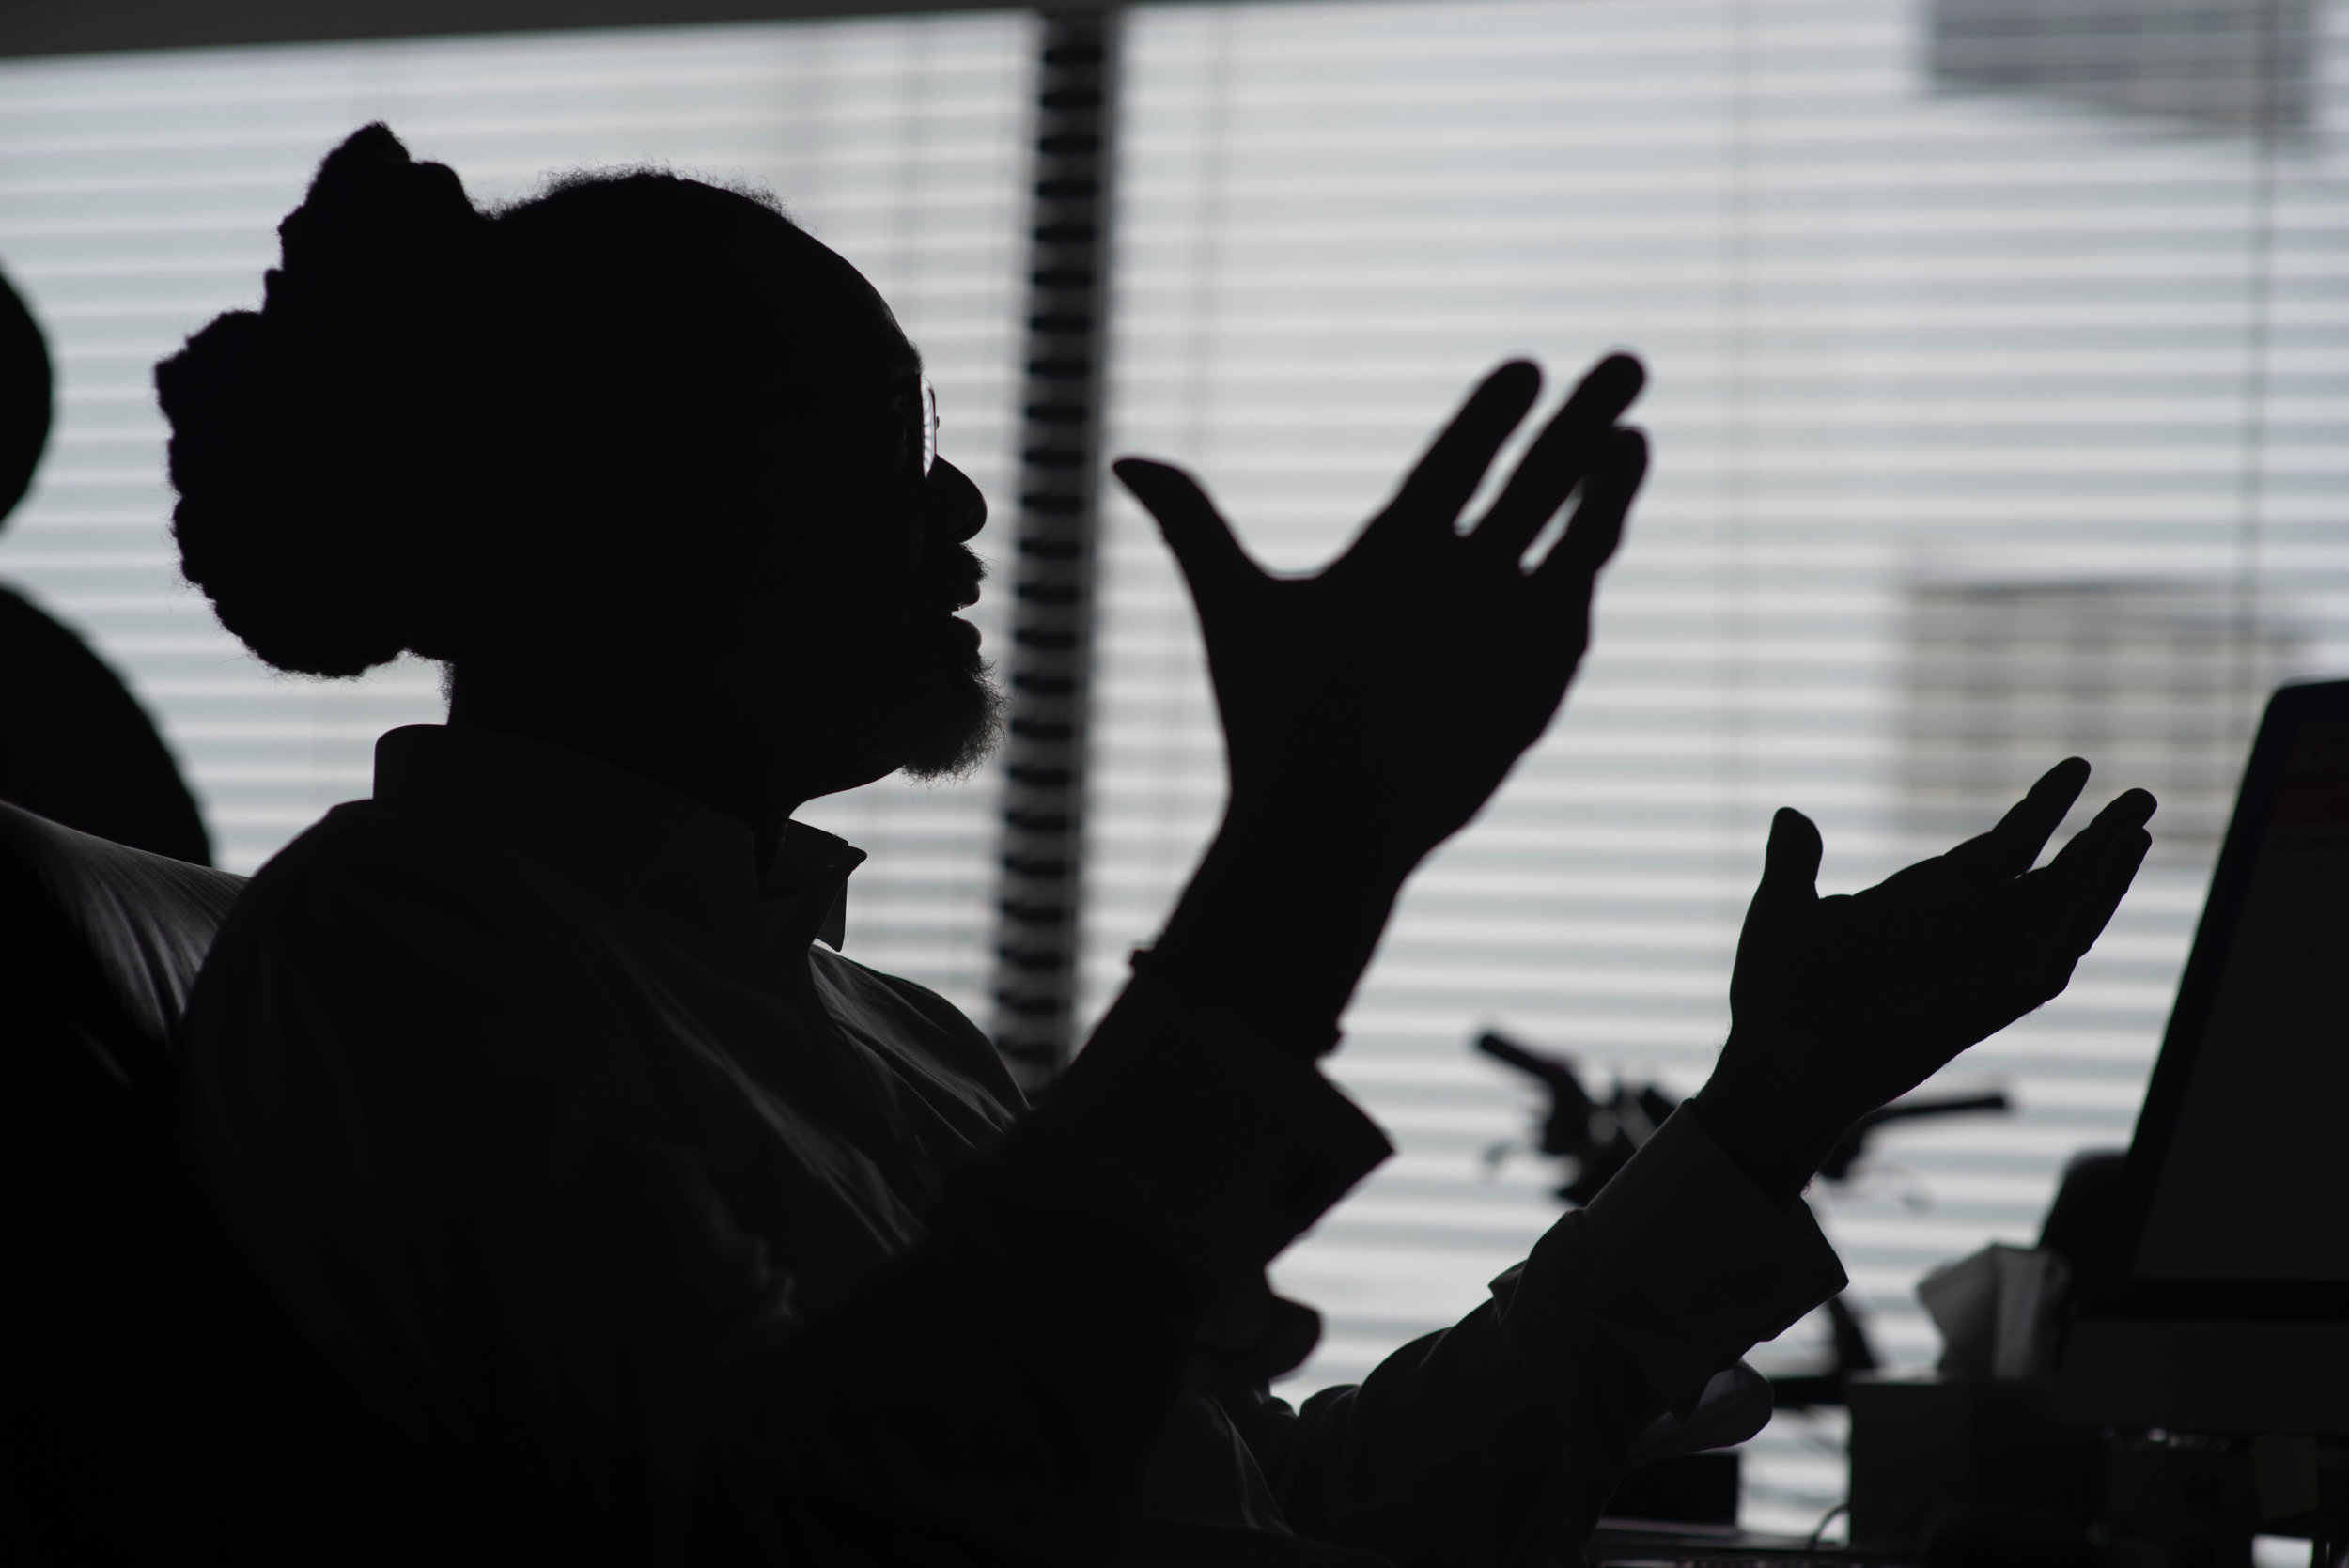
[[951, 720]]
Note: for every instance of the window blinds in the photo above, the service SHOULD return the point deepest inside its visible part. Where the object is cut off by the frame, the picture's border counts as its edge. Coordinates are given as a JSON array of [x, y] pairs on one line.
[[140, 195], [1999, 378], [1997, 410]]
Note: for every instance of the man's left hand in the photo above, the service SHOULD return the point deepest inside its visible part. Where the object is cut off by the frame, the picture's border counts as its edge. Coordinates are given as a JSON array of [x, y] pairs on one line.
[[1840, 1005]]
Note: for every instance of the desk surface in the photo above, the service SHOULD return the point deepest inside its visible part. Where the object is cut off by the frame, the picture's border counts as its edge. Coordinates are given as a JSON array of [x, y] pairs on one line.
[[1627, 1543]]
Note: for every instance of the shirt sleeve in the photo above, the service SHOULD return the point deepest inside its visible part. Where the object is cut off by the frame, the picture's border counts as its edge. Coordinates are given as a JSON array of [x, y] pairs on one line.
[[1502, 1438], [432, 1131], [1072, 1283]]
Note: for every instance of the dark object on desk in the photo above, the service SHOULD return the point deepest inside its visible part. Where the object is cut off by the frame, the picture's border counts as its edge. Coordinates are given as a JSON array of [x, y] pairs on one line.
[[1619, 1543], [2079, 1222], [2200, 1498], [1692, 1489], [1925, 1452], [2079, 1230], [2078, 1227], [76, 746], [2180, 1497], [2009, 1535], [1601, 1135]]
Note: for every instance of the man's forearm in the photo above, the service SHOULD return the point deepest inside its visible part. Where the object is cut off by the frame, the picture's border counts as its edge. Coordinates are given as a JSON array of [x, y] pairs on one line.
[[1280, 923]]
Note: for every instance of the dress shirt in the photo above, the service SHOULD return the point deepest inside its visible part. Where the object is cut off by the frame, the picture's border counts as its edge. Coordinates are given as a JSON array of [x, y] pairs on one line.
[[655, 1231]]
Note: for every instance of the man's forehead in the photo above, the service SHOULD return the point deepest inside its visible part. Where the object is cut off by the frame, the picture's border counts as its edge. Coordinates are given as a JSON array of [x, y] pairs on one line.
[[816, 287]]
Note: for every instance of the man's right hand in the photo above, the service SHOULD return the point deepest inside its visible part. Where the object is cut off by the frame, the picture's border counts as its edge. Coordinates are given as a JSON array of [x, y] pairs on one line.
[[1385, 698], [1370, 711]]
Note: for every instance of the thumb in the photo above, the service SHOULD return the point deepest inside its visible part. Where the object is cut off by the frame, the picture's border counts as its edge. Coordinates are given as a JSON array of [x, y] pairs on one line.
[[1790, 866], [1212, 560]]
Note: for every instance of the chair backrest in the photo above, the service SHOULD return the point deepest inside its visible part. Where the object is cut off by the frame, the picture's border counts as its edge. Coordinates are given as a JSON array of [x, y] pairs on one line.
[[100, 945], [106, 941], [155, 1408]]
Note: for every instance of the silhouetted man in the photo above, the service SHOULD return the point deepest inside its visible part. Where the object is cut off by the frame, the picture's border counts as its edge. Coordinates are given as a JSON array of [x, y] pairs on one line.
[[654, 1231]]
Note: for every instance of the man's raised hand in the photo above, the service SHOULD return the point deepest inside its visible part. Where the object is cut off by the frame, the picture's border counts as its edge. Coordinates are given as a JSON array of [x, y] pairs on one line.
[[1385, 698], [1840, 1005], [1371, 709]]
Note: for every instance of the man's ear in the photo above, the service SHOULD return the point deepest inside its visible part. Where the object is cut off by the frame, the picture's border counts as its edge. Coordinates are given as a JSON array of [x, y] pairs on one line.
[[635, 493], [670, 499]]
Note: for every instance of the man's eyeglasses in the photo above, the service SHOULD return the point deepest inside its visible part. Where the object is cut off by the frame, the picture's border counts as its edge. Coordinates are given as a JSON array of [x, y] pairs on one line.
[[929, 427], [913, 404]]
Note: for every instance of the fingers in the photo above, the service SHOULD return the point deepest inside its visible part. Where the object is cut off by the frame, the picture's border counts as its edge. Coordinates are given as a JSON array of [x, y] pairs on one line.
[[1591, 538], [2009, 849], [1559, 458], [1430, 500], [1790, 866], [2131, 808], [1212, 560], [2108, 882]]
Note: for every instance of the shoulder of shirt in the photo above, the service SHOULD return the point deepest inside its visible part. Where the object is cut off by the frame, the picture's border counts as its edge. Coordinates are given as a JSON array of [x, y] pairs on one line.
[[950, 1034], [372, 914], [367, 865]]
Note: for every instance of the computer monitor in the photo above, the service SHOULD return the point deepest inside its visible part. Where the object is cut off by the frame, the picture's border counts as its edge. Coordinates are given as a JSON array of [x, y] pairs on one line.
[[2229, 1308]]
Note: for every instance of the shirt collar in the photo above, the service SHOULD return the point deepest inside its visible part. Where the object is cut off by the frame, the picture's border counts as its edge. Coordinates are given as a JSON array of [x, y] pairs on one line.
[[627, 838]]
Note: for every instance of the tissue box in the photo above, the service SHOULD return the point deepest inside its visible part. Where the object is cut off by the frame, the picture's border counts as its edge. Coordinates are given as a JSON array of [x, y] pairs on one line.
[[1923, 1449], [1997, 1311]]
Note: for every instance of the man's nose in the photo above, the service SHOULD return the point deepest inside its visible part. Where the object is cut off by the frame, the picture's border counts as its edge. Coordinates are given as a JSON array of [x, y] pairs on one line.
[[953, 508]]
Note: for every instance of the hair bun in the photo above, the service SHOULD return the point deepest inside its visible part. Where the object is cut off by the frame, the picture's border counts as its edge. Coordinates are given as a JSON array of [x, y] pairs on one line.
[[378, 238], [315, 443]]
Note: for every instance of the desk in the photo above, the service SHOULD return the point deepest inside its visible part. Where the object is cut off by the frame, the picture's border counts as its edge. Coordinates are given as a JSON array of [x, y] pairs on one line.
[[1627, 1543]]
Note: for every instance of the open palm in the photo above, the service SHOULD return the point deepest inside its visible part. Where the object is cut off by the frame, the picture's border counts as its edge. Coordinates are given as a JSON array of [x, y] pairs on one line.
[[1385, 698], [1838, 1004]]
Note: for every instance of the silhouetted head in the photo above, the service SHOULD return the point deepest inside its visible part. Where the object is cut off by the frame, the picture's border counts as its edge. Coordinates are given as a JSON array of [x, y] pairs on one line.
[[638, 457], [24, 395]]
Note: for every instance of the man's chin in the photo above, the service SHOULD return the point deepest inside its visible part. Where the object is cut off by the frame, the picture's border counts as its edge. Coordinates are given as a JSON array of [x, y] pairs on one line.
[[952, 726]]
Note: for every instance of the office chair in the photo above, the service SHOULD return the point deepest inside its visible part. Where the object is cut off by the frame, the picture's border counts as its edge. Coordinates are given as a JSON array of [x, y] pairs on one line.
[[100, 945], [152, 1410]]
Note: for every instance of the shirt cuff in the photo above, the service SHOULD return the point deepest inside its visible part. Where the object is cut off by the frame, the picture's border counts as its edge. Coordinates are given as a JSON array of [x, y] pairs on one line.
[[1667, 1277], [1197, 1126]]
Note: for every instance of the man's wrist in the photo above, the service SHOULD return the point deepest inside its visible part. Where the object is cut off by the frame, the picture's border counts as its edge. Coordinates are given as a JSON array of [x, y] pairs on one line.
[[1279, 923], [1765, 1121]]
